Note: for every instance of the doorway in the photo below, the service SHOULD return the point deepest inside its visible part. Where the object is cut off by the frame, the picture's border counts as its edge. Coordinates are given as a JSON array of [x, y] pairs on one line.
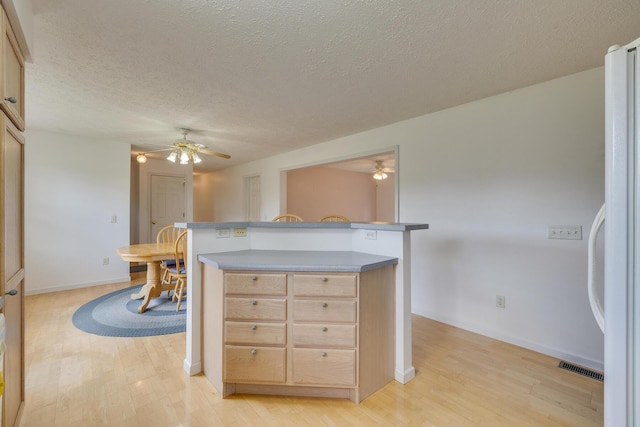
[[345, 187], [168, 202], [252, 201]]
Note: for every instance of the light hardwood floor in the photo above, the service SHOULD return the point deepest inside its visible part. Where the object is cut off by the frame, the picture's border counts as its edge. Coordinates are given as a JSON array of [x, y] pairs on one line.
[[462, 379]]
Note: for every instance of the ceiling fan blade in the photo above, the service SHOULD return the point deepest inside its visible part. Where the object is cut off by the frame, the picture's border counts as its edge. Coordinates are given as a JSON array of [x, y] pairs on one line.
[[157, 151], [214, 153]]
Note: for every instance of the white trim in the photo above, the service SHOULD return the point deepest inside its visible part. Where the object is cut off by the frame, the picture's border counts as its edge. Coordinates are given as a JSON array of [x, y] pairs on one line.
[[78, 285], [529, 345], [406, 376]]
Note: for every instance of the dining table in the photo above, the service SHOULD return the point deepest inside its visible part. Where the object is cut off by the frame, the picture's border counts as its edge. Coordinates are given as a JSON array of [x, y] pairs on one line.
[[153, 254]]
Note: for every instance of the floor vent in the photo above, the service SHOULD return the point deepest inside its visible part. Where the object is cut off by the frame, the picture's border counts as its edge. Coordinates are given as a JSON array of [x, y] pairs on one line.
[[582, 371]]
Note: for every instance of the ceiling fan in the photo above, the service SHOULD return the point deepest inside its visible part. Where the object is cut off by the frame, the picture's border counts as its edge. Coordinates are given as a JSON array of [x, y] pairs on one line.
[[184, 150], [379, 173]]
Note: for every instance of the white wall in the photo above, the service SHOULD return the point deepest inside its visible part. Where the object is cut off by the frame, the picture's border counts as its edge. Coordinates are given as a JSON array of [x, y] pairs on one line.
[[203, 198], [161, 167], [73, 187], [488, 177]]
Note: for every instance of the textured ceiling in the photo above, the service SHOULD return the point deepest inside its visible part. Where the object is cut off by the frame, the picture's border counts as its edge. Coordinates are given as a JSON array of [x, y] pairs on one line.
[[256, 78]]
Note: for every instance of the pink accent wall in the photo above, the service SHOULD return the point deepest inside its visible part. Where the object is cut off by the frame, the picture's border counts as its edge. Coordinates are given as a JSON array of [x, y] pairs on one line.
[[317, 191], [386, 199]]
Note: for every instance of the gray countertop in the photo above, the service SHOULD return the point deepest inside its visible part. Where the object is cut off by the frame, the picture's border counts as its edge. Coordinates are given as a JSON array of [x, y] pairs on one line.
[[321, 261], [390, 226]]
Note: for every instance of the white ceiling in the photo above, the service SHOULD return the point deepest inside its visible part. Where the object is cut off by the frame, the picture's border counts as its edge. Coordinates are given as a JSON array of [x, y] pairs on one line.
[[256, 78]]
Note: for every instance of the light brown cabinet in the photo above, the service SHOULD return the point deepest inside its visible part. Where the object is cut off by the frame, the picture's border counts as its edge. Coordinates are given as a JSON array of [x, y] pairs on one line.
[[12, 230], [299, 333], [12, 79]]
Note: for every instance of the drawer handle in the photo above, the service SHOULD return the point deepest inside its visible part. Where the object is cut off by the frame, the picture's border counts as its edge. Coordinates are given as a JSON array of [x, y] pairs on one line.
[[324, 329], [325, 305], [254, 278], [324, 279], [254, 302], [11, 99], [254, 351], [254, 327], [324, 354]]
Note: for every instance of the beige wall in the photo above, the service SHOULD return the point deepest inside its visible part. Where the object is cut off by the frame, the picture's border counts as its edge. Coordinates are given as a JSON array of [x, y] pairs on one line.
[[318, 191]]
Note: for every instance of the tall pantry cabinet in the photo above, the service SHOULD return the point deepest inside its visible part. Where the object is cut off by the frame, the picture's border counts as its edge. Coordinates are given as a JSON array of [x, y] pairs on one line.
[[12, 215]]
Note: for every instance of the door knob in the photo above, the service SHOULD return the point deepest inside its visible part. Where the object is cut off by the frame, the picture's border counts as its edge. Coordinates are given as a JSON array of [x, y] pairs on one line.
[[154, 222], [12, 292], [11, 99]]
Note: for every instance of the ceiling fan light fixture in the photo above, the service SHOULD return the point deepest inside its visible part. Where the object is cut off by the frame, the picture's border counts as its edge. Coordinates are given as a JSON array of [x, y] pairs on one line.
[[141, 158], [196, 158], [173, 156], [184, 158], [379, 173]]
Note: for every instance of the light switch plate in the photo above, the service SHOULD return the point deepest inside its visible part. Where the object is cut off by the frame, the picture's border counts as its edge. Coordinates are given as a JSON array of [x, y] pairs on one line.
[[223, 233], [570, 232]]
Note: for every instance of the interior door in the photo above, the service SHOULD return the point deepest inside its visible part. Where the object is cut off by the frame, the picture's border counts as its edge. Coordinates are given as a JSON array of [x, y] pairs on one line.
[[168, 202], [13, 269]]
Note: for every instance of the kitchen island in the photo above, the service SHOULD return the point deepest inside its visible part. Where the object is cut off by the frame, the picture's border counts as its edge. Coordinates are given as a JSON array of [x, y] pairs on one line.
[[309, 323], [385, 239]]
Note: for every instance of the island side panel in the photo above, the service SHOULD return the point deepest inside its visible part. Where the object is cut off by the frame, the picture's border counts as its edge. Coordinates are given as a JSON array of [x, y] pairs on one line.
[[212, 325], [376, 330]]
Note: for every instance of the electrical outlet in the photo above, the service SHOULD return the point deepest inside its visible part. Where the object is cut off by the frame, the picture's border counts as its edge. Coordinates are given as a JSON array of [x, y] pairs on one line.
[[114, 219], [570, 232], [105, 261], [500, 301], [239, 232], [371, 234], [223, 233]]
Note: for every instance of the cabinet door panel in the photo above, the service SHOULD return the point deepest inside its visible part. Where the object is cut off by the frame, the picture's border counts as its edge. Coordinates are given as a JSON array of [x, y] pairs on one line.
[[255, 309], [256, 284], [12, 101], [254, 364], [324, 335], [255, 333], [13, 360], [13, 164], [324, 310], [324, 285], [324, 367]]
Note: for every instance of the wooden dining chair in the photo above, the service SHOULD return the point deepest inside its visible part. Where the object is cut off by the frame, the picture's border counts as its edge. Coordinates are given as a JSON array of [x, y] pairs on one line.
[[179, 270], [167, 234], [334, 218], [287, 218]]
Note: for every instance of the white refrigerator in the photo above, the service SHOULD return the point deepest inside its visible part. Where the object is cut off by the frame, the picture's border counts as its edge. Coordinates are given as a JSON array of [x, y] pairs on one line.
[[621, 322]]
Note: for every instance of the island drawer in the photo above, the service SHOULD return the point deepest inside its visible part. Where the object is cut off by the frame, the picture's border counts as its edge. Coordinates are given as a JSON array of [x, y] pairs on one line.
[[325, 285], [324, 367], [255, 284], [329, 335], [255, 309], [324, 310], [255, 333], [254, 364]]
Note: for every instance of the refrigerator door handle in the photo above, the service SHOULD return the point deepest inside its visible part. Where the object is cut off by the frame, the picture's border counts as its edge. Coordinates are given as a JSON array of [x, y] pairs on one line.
[[596, 306]]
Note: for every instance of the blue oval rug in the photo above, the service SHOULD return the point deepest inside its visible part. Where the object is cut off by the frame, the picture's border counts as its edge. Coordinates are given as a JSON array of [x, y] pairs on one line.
[[116, 315]]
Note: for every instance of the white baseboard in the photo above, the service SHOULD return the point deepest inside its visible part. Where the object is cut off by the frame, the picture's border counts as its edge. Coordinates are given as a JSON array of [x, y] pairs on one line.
[[406, 376], [537, 347], [76, 286], [191, 370]]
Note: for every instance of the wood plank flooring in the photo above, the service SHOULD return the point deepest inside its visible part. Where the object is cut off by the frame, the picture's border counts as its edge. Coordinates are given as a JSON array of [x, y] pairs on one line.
[[462, 379]]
